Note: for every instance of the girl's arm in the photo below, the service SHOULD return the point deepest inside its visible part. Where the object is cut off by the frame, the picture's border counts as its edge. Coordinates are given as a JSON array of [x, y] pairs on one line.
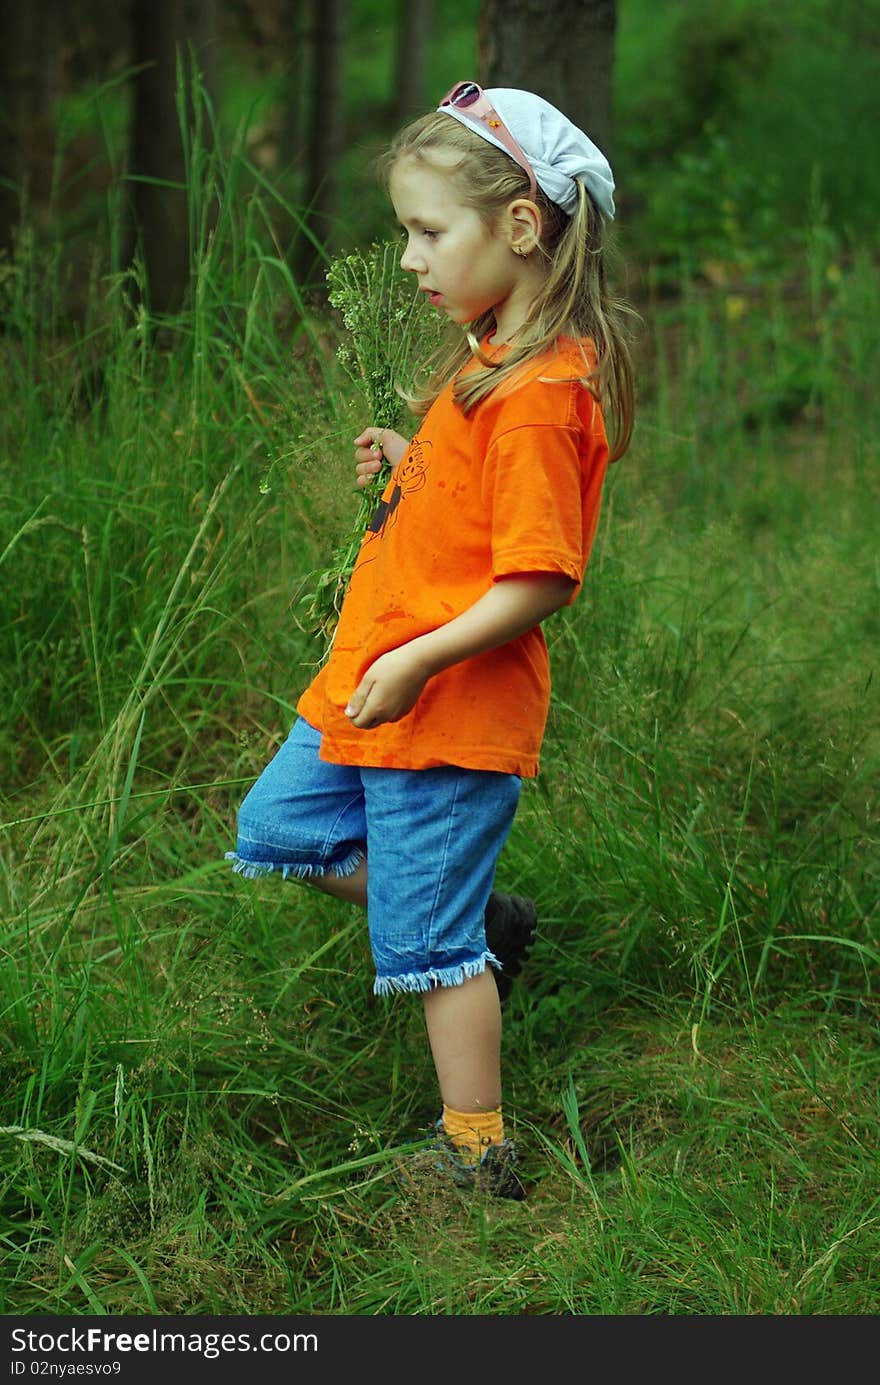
[[392, 684]]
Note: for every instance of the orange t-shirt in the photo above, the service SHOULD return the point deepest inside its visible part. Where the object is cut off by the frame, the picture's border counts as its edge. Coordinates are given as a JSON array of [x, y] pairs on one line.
[[514, 487]]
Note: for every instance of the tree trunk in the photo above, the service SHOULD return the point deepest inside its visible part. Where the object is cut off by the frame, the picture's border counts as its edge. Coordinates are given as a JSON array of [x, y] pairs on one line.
[[28, 80], [562, 50], [414, 24], [296, 38], [326, 133], [162, 29]]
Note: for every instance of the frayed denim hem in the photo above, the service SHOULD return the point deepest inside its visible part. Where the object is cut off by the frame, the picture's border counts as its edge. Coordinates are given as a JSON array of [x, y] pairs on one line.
[[428, 980], [252, 870]]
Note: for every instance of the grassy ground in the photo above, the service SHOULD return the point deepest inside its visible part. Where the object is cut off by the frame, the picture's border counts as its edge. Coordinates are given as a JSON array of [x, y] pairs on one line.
[[201, 1098]]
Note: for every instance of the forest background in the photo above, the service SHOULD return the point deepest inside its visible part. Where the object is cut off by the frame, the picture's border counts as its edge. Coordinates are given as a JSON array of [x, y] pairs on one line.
[[201, 1099]]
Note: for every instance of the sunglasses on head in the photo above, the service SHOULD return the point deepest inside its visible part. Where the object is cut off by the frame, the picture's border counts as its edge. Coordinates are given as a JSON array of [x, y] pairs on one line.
[[473, 103]]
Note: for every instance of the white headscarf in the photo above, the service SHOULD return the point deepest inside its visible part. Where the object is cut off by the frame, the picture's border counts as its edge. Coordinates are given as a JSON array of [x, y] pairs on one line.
[[557, 150]]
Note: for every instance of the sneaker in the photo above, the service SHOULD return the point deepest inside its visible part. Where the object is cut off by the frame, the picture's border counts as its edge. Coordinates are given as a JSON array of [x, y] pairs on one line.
[[495, 1174], [511, 930]]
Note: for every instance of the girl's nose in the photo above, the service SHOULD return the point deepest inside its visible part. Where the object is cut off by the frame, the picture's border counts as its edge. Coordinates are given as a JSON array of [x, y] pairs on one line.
[[409, 260]]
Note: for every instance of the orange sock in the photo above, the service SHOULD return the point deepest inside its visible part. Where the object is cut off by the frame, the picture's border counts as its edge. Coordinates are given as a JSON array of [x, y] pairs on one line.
[[473, 1131]]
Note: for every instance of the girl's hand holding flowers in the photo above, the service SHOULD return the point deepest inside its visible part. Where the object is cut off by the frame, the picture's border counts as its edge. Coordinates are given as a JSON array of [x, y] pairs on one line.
[[371, 446]]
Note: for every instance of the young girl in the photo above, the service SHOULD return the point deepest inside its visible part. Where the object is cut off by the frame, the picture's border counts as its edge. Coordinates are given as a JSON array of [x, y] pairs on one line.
[[398, 784]]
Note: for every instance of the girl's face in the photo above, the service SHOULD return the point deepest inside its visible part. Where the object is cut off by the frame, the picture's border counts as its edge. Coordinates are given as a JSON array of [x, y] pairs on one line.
[[464, 268]]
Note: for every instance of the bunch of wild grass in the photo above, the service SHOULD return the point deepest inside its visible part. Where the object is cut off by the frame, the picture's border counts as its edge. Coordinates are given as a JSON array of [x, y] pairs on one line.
[[388, 330]]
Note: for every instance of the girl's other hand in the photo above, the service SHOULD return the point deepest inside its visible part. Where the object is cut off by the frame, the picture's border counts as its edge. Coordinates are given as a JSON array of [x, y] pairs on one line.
[[389, 689], [371, 446]]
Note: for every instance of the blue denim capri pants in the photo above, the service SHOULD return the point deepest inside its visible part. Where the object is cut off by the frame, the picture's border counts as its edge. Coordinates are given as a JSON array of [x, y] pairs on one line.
[[431, 838]]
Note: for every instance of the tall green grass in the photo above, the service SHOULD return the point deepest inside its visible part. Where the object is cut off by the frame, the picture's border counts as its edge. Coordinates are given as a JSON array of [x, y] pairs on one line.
[[201, 1096]]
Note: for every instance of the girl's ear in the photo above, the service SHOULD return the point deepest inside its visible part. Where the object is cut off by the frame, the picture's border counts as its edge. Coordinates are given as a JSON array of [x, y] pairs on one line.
[[523, 226]]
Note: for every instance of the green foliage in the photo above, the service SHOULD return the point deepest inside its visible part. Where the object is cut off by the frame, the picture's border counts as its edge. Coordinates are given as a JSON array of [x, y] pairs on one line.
[[202, 1102], [730, 114], [712, 209]]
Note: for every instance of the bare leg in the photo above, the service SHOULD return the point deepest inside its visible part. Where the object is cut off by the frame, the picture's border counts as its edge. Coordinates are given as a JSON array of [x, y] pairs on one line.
[[350, 888], [464, 1030], [463, 1022]]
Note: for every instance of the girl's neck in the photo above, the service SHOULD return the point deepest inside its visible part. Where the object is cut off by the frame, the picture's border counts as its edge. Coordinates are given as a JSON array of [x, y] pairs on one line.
[[498, 341], [512, 315]]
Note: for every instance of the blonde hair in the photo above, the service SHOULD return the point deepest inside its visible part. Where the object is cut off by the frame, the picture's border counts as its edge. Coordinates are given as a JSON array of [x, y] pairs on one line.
[[576, 300]]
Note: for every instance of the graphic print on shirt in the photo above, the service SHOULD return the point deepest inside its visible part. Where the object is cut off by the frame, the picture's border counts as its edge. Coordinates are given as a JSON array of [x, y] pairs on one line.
[[408, 479]]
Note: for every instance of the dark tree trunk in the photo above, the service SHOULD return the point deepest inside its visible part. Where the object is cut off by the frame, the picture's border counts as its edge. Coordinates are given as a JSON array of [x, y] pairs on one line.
[[162, 30], [293, 136], [326, 134], [414, 23], [29, 35], [562, 50]]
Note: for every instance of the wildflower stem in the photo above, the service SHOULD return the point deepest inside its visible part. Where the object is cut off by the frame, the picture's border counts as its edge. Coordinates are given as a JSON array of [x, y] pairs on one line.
[[385, 323]]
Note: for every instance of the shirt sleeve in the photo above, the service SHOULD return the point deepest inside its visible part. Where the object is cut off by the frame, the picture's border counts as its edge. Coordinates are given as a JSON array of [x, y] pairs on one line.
[[533, 487]]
